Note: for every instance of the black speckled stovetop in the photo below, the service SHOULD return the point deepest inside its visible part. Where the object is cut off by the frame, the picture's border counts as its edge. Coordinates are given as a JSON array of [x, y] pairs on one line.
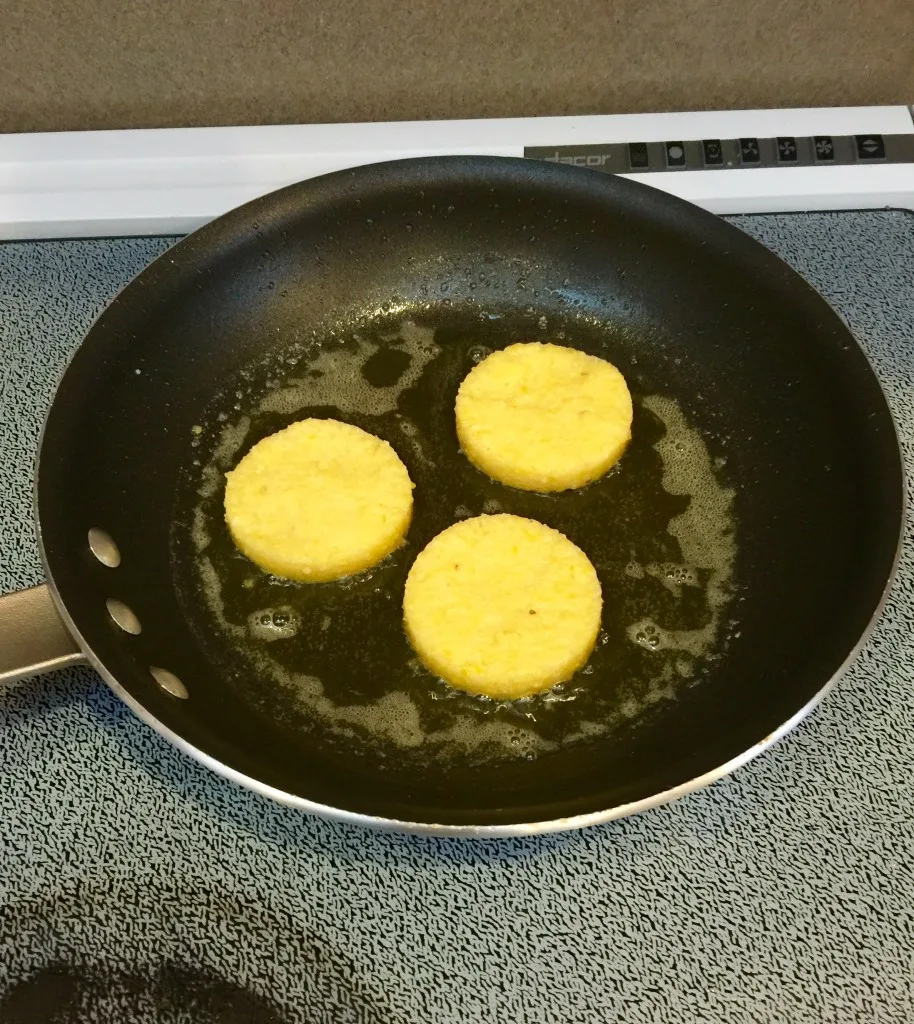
[[137, 886]]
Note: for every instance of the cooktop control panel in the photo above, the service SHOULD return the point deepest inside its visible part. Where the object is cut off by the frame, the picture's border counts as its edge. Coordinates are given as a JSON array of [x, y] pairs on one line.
[[726, 154]]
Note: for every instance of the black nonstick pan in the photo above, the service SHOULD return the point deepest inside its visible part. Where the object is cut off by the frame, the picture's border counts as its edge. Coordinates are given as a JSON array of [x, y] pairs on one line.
[[744, 542]]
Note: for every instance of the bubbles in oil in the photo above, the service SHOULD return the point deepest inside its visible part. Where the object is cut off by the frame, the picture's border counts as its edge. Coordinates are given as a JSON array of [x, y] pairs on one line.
[[271, 624], [199, 531], [696, 642], [413, 439], [210, 586], [211, 478], [704, 530], [231, 438], [661, 686], [674, 577], [340, 376]]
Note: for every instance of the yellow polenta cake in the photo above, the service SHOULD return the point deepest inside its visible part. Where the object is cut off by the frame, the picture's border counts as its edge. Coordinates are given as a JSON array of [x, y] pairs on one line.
[[319, 500], [543, 417], [502, 606]]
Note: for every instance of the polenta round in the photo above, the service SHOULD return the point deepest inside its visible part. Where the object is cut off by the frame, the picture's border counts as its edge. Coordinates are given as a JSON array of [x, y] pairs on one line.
[[543, 417], [502, 606], [318, 501]]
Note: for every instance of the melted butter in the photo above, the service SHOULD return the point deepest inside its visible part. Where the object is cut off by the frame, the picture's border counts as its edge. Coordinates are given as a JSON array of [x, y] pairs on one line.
[[395, 718], [231, 438], [705, 532], [337, 377]]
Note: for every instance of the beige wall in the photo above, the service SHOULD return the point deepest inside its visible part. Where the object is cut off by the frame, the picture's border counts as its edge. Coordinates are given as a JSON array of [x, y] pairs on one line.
[[118, 63]]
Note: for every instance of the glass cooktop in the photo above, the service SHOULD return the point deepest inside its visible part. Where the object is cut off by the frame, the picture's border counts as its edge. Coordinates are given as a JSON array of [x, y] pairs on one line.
[[137, 886]]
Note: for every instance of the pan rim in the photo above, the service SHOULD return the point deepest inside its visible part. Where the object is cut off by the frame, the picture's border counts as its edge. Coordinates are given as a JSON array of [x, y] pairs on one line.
[[488, 831]]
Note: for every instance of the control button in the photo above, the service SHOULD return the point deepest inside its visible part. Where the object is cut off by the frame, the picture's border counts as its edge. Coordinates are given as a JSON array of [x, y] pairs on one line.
[[824, 146], [675, 154], [713, 152], [870, 147], [787, 149], [749, 151], [637, 154]]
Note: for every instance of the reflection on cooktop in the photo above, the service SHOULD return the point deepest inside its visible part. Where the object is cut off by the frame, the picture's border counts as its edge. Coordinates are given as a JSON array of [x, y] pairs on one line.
[[59, 994], [167, 952]]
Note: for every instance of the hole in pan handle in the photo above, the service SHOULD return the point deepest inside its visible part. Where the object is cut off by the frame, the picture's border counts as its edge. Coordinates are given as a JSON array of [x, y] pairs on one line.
[[32, 637]]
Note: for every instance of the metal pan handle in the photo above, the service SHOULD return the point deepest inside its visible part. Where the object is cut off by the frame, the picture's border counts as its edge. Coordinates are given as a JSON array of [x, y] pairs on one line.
[[32, 637]]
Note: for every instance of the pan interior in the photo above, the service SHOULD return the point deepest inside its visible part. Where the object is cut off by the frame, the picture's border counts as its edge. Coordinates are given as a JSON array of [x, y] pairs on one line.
[[330, 664], [743, 542]]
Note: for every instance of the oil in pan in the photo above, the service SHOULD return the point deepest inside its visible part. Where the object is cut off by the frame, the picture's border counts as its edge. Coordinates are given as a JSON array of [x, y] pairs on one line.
[[331, 662]]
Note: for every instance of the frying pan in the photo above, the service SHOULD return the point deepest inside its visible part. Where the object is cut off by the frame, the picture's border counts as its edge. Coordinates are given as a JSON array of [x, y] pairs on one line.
[[367, 295]]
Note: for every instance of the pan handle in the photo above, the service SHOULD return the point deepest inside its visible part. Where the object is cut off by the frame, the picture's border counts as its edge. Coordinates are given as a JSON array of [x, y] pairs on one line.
[[32, 637]]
